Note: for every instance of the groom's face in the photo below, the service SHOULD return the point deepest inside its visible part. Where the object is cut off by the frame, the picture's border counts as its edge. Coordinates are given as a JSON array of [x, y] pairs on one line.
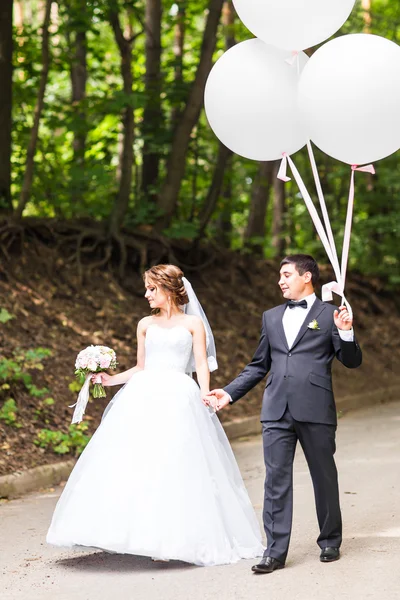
[[293, 285]]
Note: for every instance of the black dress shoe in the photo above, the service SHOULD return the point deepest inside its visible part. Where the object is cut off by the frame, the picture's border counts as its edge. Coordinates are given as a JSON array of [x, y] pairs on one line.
[[329, 554], [267, 565]]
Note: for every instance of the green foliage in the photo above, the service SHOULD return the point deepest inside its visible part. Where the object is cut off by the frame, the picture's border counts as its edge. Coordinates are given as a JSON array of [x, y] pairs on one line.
[[43, 410], [8, 413], [16, 369], [182, 230], [5, 316], [80, 375], [73, 442], [69, 186], [75, 386]]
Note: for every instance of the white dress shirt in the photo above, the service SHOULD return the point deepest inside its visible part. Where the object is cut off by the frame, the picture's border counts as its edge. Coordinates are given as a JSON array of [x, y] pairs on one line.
[[293, 319]]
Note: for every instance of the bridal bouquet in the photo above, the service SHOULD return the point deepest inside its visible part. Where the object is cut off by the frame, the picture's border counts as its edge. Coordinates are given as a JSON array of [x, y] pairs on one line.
[[93, 360]]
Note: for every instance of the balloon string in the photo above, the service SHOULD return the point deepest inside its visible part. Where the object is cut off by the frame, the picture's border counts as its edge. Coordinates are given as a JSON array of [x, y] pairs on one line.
[[349, 217], [326, 237], [324, 210], [308, 201], [327, 289]]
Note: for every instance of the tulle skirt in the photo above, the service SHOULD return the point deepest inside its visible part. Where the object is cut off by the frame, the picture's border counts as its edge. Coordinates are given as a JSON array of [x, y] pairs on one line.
[[159, 479]]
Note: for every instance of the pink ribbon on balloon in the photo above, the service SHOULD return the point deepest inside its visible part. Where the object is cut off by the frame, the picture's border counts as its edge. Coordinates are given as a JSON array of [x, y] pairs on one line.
[[295, 56], [283, 169]]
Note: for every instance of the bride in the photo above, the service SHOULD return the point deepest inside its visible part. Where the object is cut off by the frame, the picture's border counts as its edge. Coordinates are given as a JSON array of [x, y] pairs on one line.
[[158, 477]]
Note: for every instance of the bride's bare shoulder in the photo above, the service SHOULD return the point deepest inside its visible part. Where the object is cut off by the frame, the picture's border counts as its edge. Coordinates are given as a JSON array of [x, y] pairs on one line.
[[193, 322], [144, 323]]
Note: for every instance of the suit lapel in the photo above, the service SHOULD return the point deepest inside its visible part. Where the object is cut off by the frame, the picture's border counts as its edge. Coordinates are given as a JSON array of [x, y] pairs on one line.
[[279, 325], [315, 310]]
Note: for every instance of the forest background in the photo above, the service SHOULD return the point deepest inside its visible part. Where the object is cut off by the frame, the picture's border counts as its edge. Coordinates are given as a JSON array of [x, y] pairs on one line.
[[107, 164]]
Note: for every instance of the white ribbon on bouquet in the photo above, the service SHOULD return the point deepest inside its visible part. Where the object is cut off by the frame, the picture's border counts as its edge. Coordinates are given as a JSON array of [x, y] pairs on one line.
[[325, 234], [83, 398]]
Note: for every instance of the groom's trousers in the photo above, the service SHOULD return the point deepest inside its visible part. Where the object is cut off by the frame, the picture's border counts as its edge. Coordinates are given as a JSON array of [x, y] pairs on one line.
[[318, 443]]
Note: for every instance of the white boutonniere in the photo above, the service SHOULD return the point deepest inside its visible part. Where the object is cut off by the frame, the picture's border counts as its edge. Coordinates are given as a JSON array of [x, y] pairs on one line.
[[313, 324]]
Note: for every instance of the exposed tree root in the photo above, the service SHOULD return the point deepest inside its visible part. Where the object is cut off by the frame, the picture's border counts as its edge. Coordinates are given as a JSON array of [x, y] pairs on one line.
[[90, 246]]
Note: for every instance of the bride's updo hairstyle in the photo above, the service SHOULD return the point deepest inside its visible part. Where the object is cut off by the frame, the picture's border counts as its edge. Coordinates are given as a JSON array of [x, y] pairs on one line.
[[169, 278]]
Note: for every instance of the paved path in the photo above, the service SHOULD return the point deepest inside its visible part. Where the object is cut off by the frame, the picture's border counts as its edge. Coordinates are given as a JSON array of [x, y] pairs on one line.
[[369, 464]]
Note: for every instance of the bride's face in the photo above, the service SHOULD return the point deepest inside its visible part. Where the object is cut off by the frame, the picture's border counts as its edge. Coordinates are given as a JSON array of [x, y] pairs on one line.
[[155, 295]]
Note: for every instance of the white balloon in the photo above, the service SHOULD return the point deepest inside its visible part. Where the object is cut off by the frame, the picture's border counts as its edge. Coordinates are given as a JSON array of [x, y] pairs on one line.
[[251, 101], [293, 24], [349, 94]]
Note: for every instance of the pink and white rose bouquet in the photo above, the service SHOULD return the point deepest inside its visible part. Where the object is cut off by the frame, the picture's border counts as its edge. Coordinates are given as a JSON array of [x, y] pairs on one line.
[[95, 359]]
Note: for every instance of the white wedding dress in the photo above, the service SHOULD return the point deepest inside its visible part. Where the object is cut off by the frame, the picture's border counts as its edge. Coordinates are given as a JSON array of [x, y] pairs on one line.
[[159, 478]]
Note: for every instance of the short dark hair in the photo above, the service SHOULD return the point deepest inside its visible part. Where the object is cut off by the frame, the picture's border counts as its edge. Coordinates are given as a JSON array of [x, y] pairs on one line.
[[304, 263]]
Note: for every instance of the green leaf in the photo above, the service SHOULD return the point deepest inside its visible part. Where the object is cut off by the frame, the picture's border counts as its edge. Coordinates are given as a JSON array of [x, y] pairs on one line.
[[5, 316]]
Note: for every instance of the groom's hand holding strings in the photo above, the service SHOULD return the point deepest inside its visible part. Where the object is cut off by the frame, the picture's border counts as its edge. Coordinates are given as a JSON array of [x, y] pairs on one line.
[[222, 399], [342, 319]]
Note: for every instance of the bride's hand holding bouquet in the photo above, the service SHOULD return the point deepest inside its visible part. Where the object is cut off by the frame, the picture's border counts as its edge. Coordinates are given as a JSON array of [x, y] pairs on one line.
[[104, 378], [91, 364]]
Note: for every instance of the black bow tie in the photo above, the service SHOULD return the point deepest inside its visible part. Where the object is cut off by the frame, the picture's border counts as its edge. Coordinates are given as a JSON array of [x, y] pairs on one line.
[[293, 304]]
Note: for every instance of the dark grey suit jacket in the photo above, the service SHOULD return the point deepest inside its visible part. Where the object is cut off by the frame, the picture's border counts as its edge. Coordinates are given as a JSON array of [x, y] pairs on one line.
[[301, 377]]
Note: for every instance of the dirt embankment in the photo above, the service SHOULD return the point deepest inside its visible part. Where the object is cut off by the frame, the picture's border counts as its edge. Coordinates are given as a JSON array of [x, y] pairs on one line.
[[50, 309]]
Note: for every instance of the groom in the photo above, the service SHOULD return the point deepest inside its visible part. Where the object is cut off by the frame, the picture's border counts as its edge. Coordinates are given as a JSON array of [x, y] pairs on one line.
[[299, 340]]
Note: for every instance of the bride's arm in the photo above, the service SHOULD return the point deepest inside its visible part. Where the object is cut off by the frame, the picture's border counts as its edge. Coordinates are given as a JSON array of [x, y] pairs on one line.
[[200, 355], [120, 378]]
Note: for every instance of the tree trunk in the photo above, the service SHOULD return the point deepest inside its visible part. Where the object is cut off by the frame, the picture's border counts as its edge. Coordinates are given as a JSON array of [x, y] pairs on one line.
[[79, 79], [6, 51], [152, 116], [176, 160], [228, 21], [255, 232], [225, 226], [215, 188], [224, 154], [278, 241], [128, 127], [179, 42], [29, 168], [78, 49], [366, 7], [19, 14]]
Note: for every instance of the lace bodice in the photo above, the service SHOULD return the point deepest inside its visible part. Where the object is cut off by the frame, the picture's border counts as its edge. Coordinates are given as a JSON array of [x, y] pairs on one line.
[[168, 348]]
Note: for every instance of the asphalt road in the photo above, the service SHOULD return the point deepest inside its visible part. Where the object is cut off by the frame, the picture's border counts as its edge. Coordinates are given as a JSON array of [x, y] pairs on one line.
[[368, 459]]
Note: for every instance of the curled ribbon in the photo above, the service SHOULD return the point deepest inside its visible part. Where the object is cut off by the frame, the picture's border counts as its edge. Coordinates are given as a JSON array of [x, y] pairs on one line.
[[329, 288], [327, 291], [364, 169], [283, 169]]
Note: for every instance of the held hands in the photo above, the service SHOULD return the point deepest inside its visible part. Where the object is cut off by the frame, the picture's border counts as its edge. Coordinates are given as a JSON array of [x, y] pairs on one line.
[[216, 399], [208, 399], [342, 319]]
